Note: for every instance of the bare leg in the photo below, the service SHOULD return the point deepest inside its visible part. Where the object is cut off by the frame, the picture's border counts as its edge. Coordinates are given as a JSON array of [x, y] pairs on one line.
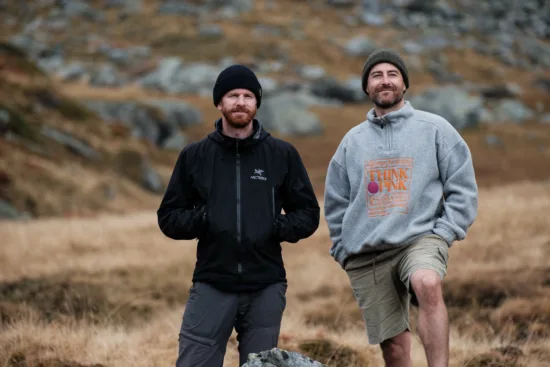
[[397, 350], [433, 321]]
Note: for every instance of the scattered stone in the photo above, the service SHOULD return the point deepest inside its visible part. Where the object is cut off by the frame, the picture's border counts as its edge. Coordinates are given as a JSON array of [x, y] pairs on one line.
[[360, 47], [287, 114], [7, 211], [75, 145], [280, 358], [510, 110], [452, 103], [493, 140]]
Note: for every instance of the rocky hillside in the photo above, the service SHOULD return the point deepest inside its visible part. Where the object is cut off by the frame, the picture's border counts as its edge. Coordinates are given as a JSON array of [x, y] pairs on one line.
[[97, 97]]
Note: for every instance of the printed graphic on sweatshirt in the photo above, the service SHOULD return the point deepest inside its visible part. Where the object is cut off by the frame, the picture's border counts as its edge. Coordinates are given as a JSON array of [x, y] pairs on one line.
[[388, 184]]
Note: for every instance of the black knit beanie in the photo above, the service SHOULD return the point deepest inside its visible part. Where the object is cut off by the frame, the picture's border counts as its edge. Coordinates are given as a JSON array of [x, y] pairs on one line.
[[380, 56], [235, 77]]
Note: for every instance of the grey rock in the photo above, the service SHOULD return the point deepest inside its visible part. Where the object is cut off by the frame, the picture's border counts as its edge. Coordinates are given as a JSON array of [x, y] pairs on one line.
[[267, 29], [508, 90], [330, 88], [212, 31], [280, 358], [151, 180], [419, 6], [127, 6], [412, 47], [371, 6], [174, 77], [360, 47], [177, 113], [493, 140], [50, 64], [543, 84], [78, 8], [536, 51], [118, 56], [138, 168], [141, 121], [75, 145], [288, 115], [71, 71], [341, 3], [107, 76], [269, 85], [7, 211], [510, 110], [176, 142], [32, 46], [452, 103], [486, 116], [179, 8], [376, 20], [312, 72], [194, 78], [144, 122], [237, 6], [435, 41]]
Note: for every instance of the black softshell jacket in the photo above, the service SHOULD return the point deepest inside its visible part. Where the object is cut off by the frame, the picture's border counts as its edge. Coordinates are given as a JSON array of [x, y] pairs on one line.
[[228, 193]]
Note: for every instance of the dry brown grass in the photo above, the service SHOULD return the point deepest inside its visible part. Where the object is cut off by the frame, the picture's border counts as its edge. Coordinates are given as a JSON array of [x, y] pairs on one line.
[[110, 291]]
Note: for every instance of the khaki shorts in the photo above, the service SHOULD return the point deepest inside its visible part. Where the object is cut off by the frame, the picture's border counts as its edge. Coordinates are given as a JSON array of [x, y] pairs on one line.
[[381, 283]]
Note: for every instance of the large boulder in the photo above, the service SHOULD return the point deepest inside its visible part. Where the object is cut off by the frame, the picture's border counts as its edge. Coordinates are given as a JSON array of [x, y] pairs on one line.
[[454, 104], [288, 114], [280, 358]]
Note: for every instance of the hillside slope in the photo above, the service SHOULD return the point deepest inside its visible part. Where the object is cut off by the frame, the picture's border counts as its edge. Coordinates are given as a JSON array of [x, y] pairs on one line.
[[141, 74]]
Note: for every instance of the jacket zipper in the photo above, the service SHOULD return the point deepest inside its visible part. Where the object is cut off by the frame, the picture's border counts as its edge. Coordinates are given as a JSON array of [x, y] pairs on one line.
[[273, 202], [238, 171]]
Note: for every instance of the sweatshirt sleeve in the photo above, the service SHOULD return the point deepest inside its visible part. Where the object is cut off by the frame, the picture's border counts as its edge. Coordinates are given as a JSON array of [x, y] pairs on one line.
[[460, 194], [337, 197], [302, 212], [179, 216]]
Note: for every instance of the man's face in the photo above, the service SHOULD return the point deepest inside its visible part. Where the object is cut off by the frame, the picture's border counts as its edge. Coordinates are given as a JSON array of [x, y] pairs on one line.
[[385, 85], [238, 106]]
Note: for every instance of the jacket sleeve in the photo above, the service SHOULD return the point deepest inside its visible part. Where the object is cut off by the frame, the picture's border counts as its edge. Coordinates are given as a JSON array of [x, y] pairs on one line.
[[179, 216], [302, 212], [337, 199], [460, 194]]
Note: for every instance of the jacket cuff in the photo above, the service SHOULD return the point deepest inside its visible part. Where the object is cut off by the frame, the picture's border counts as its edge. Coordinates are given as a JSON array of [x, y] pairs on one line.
[[446, 233], [282, 229]]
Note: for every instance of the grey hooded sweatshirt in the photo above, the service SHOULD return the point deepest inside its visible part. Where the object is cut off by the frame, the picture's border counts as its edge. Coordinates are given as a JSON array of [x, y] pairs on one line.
[[396, 178]]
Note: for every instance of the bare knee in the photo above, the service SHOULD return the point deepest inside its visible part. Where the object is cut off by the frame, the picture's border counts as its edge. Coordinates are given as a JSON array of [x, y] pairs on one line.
[[397, 350], [426, 285]]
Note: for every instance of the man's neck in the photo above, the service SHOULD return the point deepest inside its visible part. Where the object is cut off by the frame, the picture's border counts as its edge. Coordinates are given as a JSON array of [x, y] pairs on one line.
[[236, 133], [384, 111]]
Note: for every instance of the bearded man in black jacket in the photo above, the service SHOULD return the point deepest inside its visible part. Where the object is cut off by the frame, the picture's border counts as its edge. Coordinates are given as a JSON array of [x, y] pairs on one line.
[[228, 191]]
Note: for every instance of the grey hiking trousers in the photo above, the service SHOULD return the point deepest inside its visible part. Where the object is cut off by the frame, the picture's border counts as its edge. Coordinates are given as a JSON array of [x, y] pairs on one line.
[[210, 316]]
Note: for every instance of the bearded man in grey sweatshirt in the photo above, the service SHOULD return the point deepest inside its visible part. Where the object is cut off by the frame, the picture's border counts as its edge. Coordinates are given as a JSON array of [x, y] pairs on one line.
[[400, 189]]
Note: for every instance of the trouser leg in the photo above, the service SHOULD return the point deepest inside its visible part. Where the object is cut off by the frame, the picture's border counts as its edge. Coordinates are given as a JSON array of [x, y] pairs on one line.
[[259, 320], [207, 324]]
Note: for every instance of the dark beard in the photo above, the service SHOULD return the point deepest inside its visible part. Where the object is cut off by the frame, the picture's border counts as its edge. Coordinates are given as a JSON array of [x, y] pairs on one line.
[[388, 104]]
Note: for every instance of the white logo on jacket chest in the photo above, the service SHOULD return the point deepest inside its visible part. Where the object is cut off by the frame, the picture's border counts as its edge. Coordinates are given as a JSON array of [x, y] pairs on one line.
[[258, 175]]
